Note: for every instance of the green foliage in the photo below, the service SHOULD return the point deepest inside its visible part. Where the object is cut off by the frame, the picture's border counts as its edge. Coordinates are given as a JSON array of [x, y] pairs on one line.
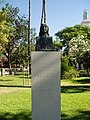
[[12, 34], [84, 73], [64, 64], [20, 56], [86, 61], [57, 44], [67, 72], [16, 50], [33, 39], [3, 31], [71, 73], [78, 46], [68, 33], [75, 42]]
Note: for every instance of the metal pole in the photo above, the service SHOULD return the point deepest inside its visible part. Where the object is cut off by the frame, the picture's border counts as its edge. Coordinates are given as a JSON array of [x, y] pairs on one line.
[[29, 40], [44, 5], [43, 19]]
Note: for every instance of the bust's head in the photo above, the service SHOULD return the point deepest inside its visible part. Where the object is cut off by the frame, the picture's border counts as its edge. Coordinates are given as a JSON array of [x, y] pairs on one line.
[[44, 30]]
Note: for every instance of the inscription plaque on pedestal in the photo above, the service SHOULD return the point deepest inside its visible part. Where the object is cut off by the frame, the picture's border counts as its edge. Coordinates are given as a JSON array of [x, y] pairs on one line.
[[45, 85]]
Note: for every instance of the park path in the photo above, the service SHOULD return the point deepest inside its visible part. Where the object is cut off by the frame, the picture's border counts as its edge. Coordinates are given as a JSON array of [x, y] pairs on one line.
[[6, 90]]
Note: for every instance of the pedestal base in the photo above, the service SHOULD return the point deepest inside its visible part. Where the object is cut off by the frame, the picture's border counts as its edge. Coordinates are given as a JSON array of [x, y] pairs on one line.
[[45, 85]]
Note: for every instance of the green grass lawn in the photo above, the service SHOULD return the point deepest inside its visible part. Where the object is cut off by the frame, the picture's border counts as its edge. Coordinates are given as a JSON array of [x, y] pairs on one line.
[[15, 80], [16, 105], [75, 106], [15, 97], [15, 102], [75, 99]]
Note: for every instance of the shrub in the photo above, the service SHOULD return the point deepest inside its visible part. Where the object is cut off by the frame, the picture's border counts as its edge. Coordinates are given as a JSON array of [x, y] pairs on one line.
[[72, 73], [83, 73], [67, 71], [64, 65]]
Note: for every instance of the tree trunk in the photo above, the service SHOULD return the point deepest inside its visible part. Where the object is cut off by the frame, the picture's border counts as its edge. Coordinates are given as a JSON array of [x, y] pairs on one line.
[[1, 71], [79, 66], [9, 63], [87, 72]]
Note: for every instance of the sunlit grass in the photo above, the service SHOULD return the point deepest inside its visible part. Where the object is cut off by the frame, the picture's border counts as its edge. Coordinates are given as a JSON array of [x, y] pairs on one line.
[[75, 106], [78, 81], [75, 97], [15, 102], [15, 80]]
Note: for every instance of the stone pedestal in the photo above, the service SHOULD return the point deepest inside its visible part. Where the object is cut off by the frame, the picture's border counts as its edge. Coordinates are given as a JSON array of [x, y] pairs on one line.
[[45, 85]]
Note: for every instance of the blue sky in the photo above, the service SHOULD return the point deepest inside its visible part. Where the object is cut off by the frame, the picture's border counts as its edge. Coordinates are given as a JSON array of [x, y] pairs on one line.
[[60, 13]]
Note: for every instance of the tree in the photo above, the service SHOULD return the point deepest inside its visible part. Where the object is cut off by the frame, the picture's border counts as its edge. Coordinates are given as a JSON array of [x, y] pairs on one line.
[[20, 56], [3, 31], [57, 44], [67, 71], [16, 50], [77, 47], [64, 64], [33, 39], [13, 31], [68, 33], [86, 61]]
